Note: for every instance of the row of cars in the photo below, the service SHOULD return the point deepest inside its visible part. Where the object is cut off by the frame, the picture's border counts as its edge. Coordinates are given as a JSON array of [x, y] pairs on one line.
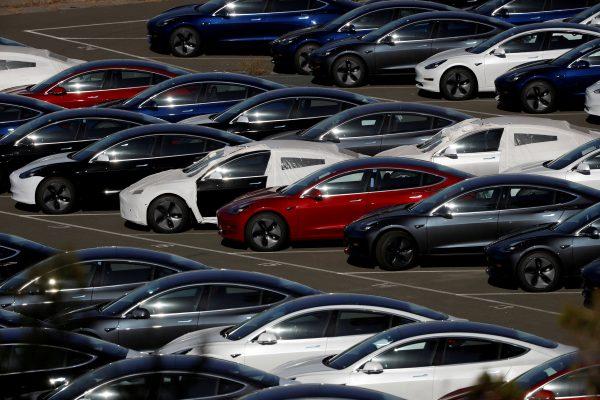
[[230, 333]]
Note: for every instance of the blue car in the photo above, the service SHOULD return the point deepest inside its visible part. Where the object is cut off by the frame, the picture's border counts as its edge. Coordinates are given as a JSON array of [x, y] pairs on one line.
[[519, 12], [195, 94], [237, 25], [544, 86], [10, 42], [291, 51], [16, 110]]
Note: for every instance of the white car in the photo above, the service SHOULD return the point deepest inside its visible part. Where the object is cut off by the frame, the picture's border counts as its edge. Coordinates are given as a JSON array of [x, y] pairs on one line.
[[318, 325], [460, 73], [493, 145], [429, 360], [581, 165], [24, 66], [172, 200], [592, 100]]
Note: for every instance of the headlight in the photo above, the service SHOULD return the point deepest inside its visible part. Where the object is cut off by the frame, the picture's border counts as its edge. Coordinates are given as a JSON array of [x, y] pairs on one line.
[[367, 226], [512, 247], [514, 78], [240, 209], [166, 22], [435, 64], [138, 191], [597, 91], [30, 172]]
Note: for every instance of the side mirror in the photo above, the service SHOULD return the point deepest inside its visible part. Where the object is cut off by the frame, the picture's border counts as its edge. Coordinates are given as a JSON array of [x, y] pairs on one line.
[[450, 152], [580, 64], [58, 91], [499, 52], [543, 395], [150, 105], [330, 137], [583, 168], [139, 313], [590, 232], [314, 194], [215, 176], [242, 119], [266, 338], [503, 12], [372, 367], [348, 28], [444, 212], [102, 157], [388, 40]]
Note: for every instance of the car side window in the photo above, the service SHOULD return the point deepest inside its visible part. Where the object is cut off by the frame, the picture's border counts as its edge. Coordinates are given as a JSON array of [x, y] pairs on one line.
[[524, 6], [179, 96], [288, 5], [567, 4], [566, 40], [369, 125], [94, 129], [405, 12], [15, 358], [130, 387], [178, 145], [74, 276], [593, 58], [123, 273], [523, 43], [305, 326], [9, 113], [404, 122], [245, 166], [6, 253], [574, 384], [10, 64], [469, 350], [396, 179], [60, 132], [241, 7], [216, 92], [85, 82], [522, 139], [315, 108], [527, 196], [476, 201], [411, 355], [186, 385], [132, 149], [417, 31], [480, 142], [224, 297], [454, 28], [354, 182], [184, 300], [130, 79], [373, 20], [161, 272], [359, 322], [300, 162], [277, 110]]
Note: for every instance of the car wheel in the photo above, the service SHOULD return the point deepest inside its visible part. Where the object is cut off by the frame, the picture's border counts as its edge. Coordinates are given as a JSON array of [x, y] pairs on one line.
[[458, 84], [168, 214], [539, 272], [538, 97], [349, 71], [396, 251], [301, 58], [266, 232], [185, 42], [55, 196]]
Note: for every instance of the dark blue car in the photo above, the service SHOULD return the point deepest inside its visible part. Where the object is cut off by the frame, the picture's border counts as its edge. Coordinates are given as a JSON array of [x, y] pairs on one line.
[[16, 110], [236, 25], [544, 86], [589, 16], [292, 50], [194, 94], [519, 12]]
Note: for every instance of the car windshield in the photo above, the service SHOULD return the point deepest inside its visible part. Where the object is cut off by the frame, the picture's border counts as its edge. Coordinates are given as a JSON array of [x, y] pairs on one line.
[[24, 278], [542, 372], [342, 19], [261, 319], [432, 142], [426, 205], [309, 180], [572, 54], [569, 158], [132, 298], [201, 164], [45, 84], [494, 40], [88, 152], [579, 220], [375, 34], [360, 350]]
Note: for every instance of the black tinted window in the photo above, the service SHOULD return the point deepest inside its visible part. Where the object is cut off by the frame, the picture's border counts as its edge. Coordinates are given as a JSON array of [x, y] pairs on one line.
[[412, 355], [177, 145], [288, 5], [594, 161], [130, 79], [566, 40], [121, 273], [454, 28], [480, 142], [216, 92], [373, 20], [299, 162], [8, 64], [462, 351], [305, 326], [176, 301], [73, 276], [6, 253], [138, 387], [161, 272], [363, 126], [355, 182], [65, 131], [313, 108], [574, 384], [179, 96], [132, 149], [409, 123], [480, 200], [525, 6], [524, 43], [14, 113], [273, 111], [33, 357], [522, 139], [357, 322], [394, 179], [525, 197], [85, 82], [246, 7], [417, 31], [245, 166], [99, 128], [593, 58], [224, 297]]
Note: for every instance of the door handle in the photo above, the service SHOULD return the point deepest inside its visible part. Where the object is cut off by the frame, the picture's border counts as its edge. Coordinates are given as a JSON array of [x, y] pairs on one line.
[[279, 126], [81, 296], [141, 165], [356, 201], [313, 346], [256, 19], [416, 196], [66, 148], [420, 376], [489, 158], [254, 183], [186, 321], [92, 97]]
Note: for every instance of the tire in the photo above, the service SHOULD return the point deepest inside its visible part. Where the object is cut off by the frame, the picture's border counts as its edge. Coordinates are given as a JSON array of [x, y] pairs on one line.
[[539, 271], [458, 84], [55, 196], [185, 42], [301, 58], [266, 232], [349, 71], [538, 97], [396, 251], [168, 214]]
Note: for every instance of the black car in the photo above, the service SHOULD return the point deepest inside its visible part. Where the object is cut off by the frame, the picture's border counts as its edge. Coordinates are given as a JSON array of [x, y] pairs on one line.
[[160, 311], [373, 128], [464, 218], [396, 48], [17, 253], [318, 391], [541, 259], [282, 111], [62, 131], [37, 360], [11, 319], [97, 173], [17, 110], [591, 282], [86, 277], [168, 378]]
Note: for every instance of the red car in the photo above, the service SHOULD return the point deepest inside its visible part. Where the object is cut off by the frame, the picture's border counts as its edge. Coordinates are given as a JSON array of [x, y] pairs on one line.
[[98, 82], [319, 206], [563, 377]]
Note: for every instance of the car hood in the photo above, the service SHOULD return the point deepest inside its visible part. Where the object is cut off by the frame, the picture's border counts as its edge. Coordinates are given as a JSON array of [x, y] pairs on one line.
[[203, 119], [65, 317], [594, 87], [303, 366], [316, 29], [448, 54], [337, 45], [171, 176], [536, 232], [194, 339], [186, 10], [49, 160], [268, 193], [533, 67]]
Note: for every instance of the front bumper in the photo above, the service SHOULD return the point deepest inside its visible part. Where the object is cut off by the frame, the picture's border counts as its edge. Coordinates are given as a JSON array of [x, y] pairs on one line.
[[231, 227], [357, 246], [499, 266], [23, 189], [133, 209], [319, 67], [592, 103], [427, 81]]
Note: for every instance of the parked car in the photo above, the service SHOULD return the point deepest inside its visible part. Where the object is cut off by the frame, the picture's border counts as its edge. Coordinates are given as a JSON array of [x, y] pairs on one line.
[[589, 16], [542, 259], [96, 82], [592, 100], [195, 94], [460, 74], [17, 254], [520, 12], [168, 378], [373, 128], [543, 87], [174, 200], [581, 165], [153, 315], [317, 392], [591, 282], [17, 110], [281, 111], [81, 278], [494, 145], [22, 66], [11, 319], [9, 42], [225, 25], [98, 172], [318, 325], [290, 51], [62, 131], [319, 206], [37, 360], [445, 356], [465, 217], [396, 48]]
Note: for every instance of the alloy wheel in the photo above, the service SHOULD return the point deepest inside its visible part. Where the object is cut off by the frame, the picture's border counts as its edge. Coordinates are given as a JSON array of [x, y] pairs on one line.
[[57, 196], [349, 72], [185, 42], [399, 252], [538, 98], [168, 215], [540, 272], [459, 84], [266, 233]]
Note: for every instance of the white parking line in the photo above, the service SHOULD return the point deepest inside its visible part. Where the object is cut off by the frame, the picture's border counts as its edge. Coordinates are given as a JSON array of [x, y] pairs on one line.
[[285, 263], [106, 38], [87, 25], [420, 271], [516, 293]]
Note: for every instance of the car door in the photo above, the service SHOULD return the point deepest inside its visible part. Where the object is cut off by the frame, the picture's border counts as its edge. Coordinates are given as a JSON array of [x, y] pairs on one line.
[[126, 83], [241, 23], [407, 370], [265, 119], [344, 198], [590, 178], [405, 128], [179, 151], [519, 12], [83, 90], [119, 277], [579, 78], [300, 335], [453, 33], [395, 186], [476, 153], [586, 247], [232, 178], [407, 46], [361, 134], [57, 137], [472, 226]]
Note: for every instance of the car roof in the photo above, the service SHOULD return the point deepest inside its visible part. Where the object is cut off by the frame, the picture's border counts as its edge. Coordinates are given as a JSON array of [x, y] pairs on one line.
[[20, 243], [554, 25], [376, 5], [29, 102], [127, 63], [318, 391], [313, 92], [437, 15]]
